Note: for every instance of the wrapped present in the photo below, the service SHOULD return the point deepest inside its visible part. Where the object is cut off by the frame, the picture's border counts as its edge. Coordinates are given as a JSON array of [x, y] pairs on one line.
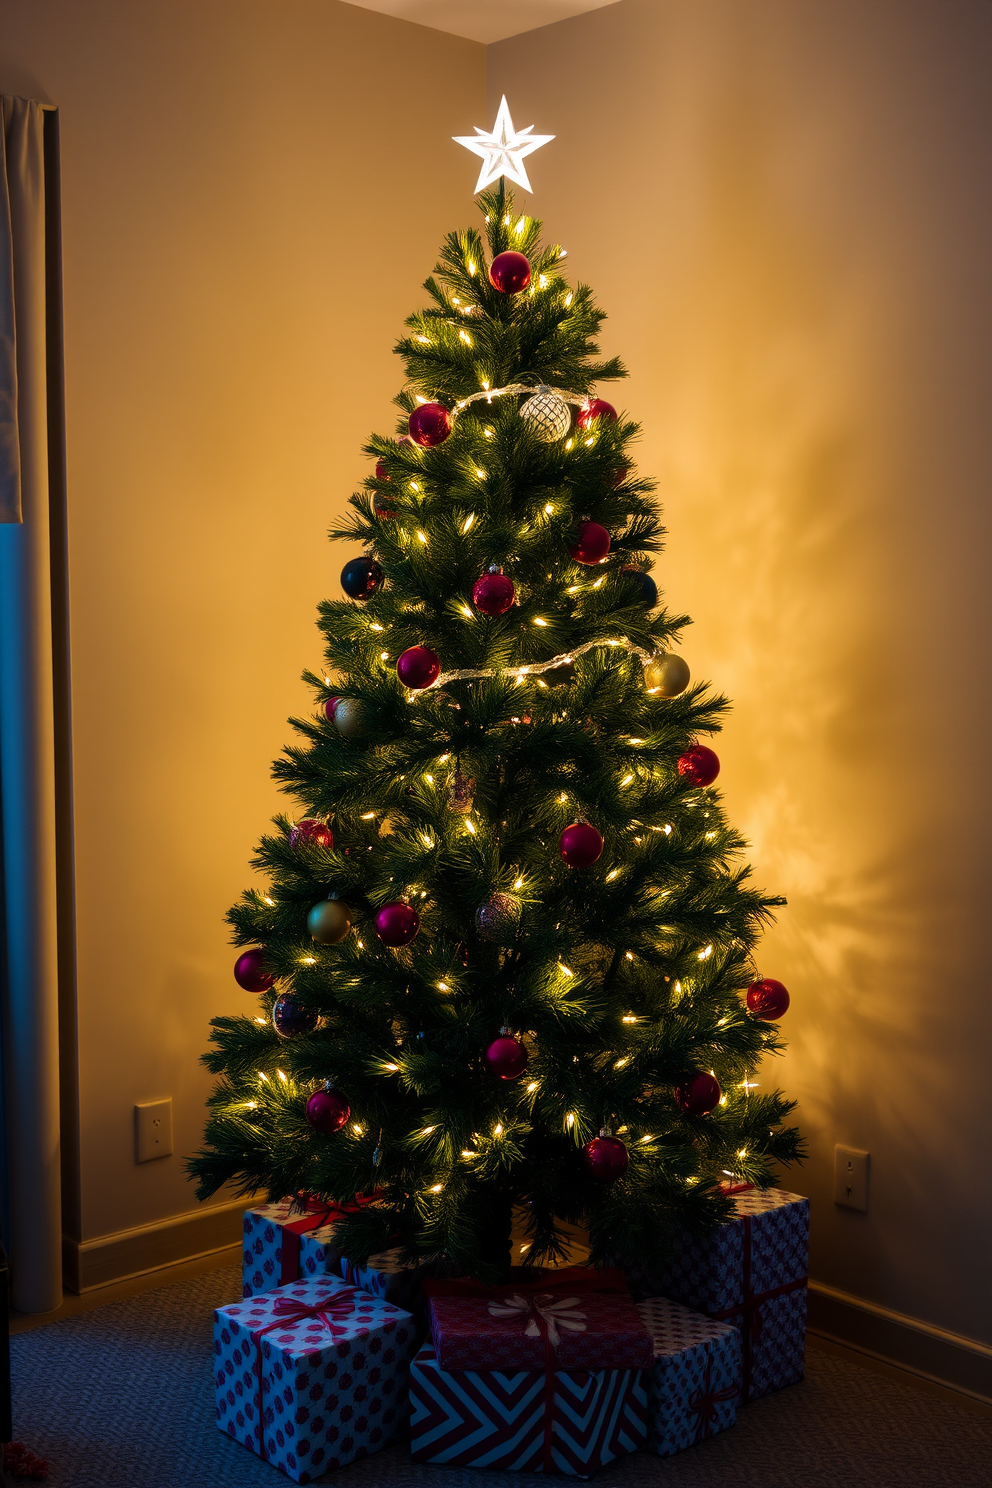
[[312, 1375], [696, 1380], [587, 1315], [388, 1276], [542, 1375], [751, 1272], [521, 1420], [288, 1240]]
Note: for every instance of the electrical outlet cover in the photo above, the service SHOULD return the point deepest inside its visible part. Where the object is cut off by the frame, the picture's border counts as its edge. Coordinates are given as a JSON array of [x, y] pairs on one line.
[[851, 1177], [152, 1130]]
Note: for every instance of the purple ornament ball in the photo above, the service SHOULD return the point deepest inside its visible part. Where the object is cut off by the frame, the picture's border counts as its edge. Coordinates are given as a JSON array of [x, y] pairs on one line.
[[418, 666], [768, 999], [327, 1110], [248, 972], [699, 765], [509, 272], [430, 424], [698, 1094], [581, 845], [506, 1057], [493, 594], [397, 924], [605, 1158]]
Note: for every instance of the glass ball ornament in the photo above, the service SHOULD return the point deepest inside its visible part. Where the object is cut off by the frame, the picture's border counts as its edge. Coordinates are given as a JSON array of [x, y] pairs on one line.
[[290, 1018], [547, 415], [496, 918], [768, 999], [397, 924], [430, 425], [667, 673], [315, 833], [699, 765], [361, 577], [589, 543], [643, 584], [327, 1110], [596, 408], [329, 921], [330, 708], [605, 1158], [506, 1056], [418, 666], [509, 272], [350, 719], [249, 973], [698, 1094], [493, 593], [581, 845]]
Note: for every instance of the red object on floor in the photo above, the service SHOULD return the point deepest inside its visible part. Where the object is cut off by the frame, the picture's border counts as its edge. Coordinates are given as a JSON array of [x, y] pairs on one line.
[[21, 1463]]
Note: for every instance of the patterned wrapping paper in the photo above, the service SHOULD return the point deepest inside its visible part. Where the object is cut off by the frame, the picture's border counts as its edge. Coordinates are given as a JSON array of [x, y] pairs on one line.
[[465, 1335], [509, 1419], [750, 1272], [696, 1380], [276, 1252], [388, 1276], [306, 1393]]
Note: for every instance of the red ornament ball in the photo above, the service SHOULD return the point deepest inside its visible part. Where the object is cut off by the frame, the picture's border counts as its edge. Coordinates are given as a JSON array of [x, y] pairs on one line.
[[418, 666], [768, 999], [605, 1158], [248, 971], [330, 708], [699, 1094], [590, 543], [493, 594], [581, 845], [316, 833], [430, 424], [397, 924], [597, 409], [699, 765], [381, 473], [327, 1110], [506, 1057], [509, 273]]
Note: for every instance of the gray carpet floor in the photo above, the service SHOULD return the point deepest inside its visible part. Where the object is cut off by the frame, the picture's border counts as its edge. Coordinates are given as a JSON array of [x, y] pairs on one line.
[[122, 1397]]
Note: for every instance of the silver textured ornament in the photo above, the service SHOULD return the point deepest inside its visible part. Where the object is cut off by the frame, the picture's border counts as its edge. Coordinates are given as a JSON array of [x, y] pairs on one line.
[[548, 416], [461, 793], [497, 917], [667, 673], [349, 718]]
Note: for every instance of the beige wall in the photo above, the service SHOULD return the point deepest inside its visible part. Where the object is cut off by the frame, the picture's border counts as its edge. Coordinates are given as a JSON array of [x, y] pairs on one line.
[[784, 207], [247, 219]]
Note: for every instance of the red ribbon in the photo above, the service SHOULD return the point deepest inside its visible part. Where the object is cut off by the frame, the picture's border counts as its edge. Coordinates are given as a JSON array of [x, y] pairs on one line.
[[319, 1212], [572, 1279], [705, 1401], [751, 1320], [291, 1310]]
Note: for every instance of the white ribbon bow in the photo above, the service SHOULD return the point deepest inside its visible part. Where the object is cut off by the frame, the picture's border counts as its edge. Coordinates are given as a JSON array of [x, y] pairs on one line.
[[557, 1313]]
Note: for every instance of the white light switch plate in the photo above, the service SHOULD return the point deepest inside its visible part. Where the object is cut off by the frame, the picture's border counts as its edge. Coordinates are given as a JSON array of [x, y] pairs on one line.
[[851, 1177], [152, 1130]]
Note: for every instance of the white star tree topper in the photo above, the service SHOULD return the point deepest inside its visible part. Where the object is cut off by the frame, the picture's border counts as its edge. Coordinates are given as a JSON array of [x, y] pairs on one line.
[[503, 150]]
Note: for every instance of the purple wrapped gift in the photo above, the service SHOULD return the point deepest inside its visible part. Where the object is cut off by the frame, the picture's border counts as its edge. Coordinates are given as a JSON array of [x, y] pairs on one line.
[[312, 1375], [696, 1381]]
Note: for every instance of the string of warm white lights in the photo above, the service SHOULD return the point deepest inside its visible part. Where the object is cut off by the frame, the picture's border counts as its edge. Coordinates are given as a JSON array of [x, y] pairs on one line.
[[534, 669], [580, 400]]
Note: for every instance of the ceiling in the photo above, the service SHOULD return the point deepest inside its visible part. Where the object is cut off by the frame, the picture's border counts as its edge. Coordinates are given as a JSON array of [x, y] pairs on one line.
[[483, 20]]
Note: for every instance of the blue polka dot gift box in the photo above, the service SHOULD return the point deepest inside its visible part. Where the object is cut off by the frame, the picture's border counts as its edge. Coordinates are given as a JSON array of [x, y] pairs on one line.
[[750, 1272], [696, 1381], [313, 1375], [291, 1239]]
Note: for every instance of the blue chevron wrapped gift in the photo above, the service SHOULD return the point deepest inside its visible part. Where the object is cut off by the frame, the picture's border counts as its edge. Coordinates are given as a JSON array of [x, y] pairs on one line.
[[510, 1419]]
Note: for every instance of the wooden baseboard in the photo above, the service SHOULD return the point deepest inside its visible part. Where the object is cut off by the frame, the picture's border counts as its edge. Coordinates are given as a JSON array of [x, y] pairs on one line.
[[893, 1339], [184, 1237]]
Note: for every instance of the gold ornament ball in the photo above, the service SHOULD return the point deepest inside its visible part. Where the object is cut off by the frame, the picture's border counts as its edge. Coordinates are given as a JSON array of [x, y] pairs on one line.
[[329, 921], [667, 674], [349, 718]]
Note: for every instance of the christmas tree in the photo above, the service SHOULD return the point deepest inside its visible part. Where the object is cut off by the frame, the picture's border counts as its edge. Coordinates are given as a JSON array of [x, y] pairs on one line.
[[504, 951]]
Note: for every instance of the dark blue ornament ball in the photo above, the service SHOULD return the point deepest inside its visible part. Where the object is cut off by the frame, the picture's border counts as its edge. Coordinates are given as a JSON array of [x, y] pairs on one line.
[[361, 577], [647, 589], [290, 1019]]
